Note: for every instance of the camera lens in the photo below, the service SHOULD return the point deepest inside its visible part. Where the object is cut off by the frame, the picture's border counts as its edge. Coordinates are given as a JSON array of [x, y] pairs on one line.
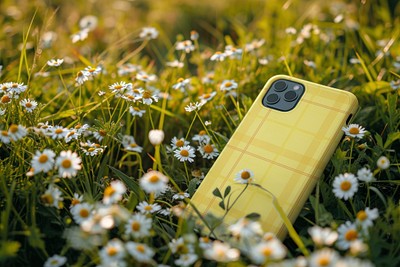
[[272, 99], [290, 96], [280, 86]]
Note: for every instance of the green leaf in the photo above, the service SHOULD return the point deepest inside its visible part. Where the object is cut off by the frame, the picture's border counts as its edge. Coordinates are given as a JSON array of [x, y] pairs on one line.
[[379, 141], [192, 186], [222, 204], [379, 193], [253, 216], [227, 191], [35, 239], [391, 138], [217, 193]]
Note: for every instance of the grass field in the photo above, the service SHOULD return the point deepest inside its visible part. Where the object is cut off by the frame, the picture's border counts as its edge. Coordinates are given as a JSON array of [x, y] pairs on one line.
[[112, 112]]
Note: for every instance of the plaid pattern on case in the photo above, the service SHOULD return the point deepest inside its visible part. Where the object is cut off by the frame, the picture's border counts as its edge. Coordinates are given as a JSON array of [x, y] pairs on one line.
[[287, 151]]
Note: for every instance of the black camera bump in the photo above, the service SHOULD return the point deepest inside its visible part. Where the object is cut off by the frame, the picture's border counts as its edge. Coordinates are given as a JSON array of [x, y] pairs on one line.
[[283, 95]]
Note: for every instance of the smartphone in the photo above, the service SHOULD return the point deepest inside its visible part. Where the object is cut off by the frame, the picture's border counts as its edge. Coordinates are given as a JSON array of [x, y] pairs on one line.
[[283, 144]]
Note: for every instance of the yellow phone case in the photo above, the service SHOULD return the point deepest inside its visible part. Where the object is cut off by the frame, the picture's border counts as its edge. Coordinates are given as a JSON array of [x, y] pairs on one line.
[[286, 150]]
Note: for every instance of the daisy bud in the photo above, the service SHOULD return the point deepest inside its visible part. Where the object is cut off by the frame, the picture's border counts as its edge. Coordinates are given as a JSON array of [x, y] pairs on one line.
[[156, 137]]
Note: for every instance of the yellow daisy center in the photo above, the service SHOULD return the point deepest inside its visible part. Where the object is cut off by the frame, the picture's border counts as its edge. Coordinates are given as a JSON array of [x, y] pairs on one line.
[[133, 145], [84, 213], [146, 95], [43, 158], [118, 87], [58, 131], [180, 80], [5, 99], [91, 149], [362, 215], [109, 191], [148, 208], [245, 175], [266, 252], [47, 198], [66, 163], [135, 226], [205, 96], [102, 133], [111, 251], [28, 104], [136, 109], [208, 149], [75, 201], [351, 235], [354, 130], [179, 143], [228, 84], [140, 248], [4, 133], [345, 185], [324, 261], [202, 132], [184, 153], [154, 179], [13, 128]]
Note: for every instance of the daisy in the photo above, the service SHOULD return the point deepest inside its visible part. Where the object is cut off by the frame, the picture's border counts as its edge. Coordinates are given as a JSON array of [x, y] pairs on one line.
[[208, 151], [91, 149], [55, 62], [58, 132], [129, 144], [82, 77], [119, 88], [76, 199], [365, 175], [175, 64], [114, 192], [244, 176], [322, 236], [347, 233], [2, 112], [100, 134], [245, 228], [186, 259], [202, 137], [181, 84], [345, 186], [383, 163], [177, 143], [194, 35], [81, 212], [366, 217], [88, 22], [263, 251], [71, 135], [145, 77], [4, 138], [156, 137], [153, 181], [324, 257], [52, 197], [148, 97], [209, 78], [113, 252], [233, 52], [180, 196], [17, 88], [354, 130], [82, 129], [228, 85], [68, 164], [218, 56], [186, 46], [185, 153], [55, 261], [17, 132], [255, 44], [135, 111], [141, 252], [128, 68], [290, 30], [80, 36], [28, 104], [179, 246], [165, 212], [43, 161], [6, 98], [208, 96], [147, 208], [148, 33], [205, 242], [138, 226], [195, 106], [221, 252], [93, 71]]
